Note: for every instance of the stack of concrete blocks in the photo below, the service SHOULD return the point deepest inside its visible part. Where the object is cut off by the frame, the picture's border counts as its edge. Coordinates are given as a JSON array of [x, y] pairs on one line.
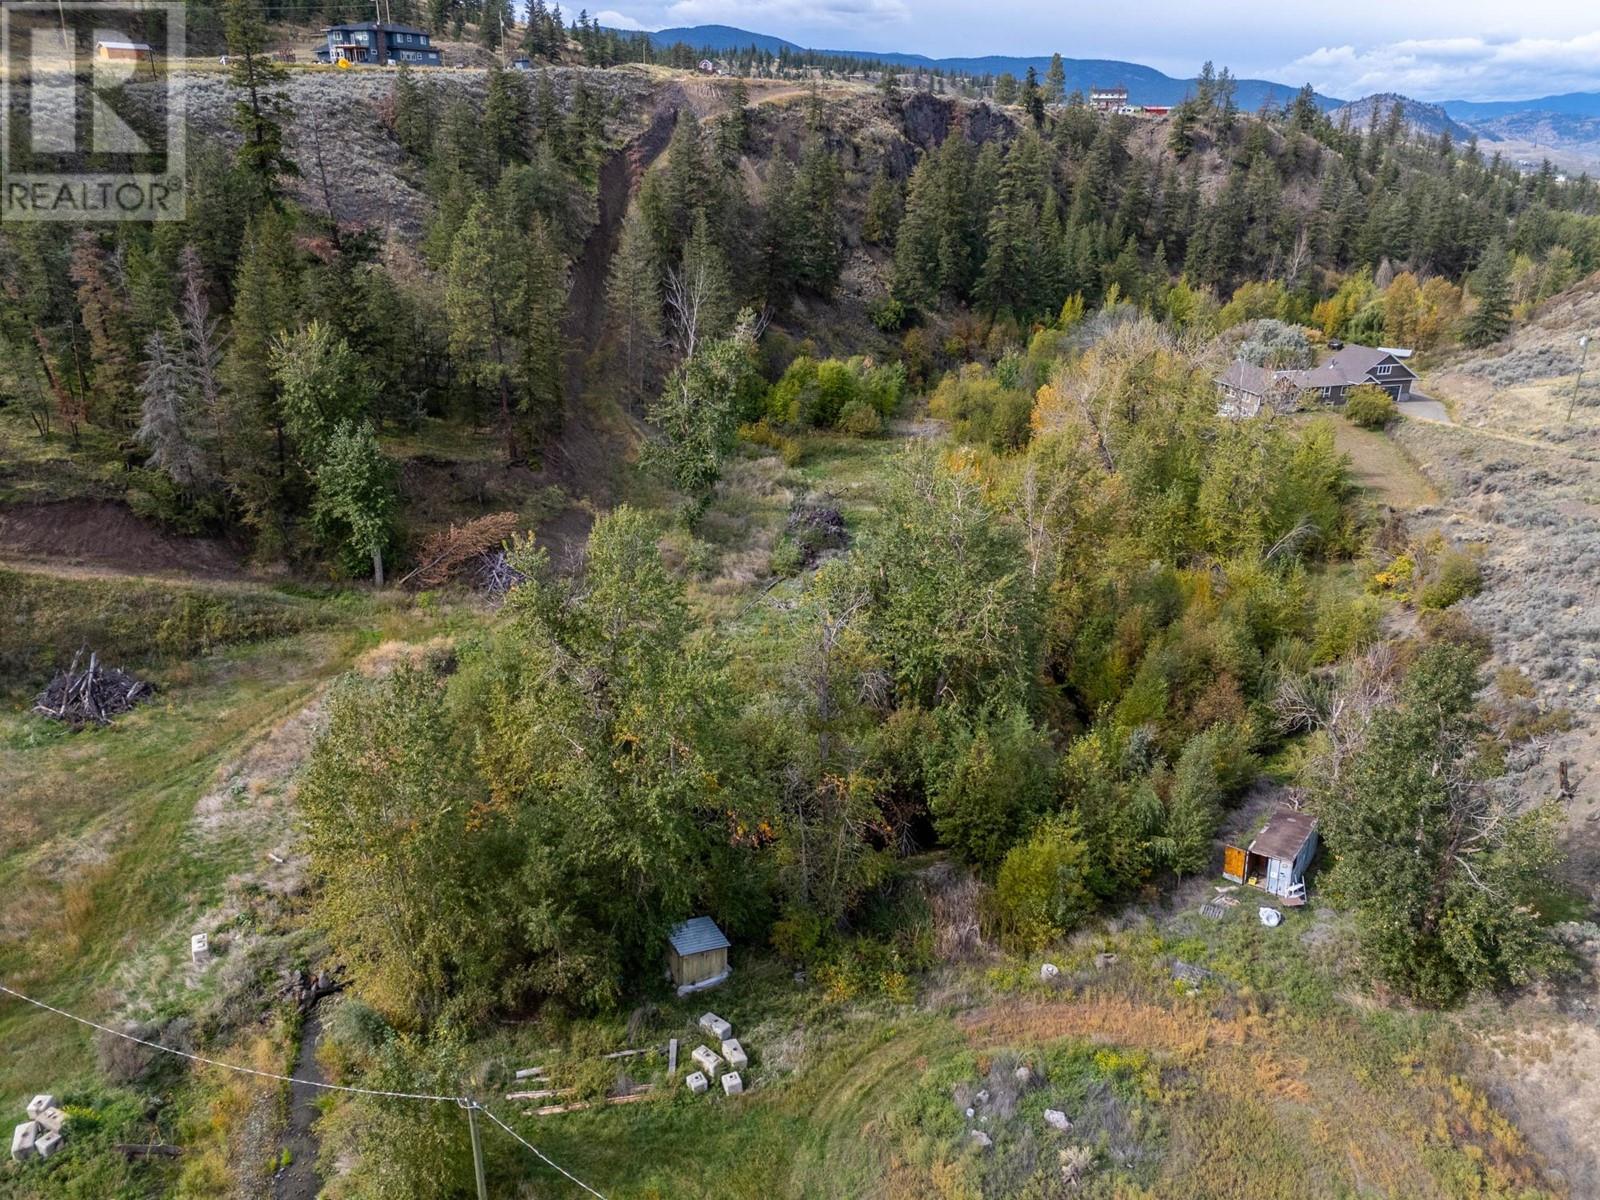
[[41, 1134], [728, 1066]]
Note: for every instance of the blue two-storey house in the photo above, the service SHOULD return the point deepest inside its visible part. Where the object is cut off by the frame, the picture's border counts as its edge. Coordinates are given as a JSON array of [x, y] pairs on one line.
[[378, 44]]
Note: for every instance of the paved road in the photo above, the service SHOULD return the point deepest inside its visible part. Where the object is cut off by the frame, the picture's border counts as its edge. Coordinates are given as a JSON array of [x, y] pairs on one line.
[[1425, 408]]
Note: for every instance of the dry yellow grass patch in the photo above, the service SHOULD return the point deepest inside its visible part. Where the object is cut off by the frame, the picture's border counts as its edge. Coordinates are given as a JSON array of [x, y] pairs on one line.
[[1186, 1032]]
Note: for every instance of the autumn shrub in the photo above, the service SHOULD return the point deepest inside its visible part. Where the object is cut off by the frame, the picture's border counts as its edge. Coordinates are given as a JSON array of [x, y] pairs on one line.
[[982, 409], [1042, 890], [1272, 343], [860, 419], [816, 393], [759, 433], [1455, 575], [1370, 407], [1344, 625]]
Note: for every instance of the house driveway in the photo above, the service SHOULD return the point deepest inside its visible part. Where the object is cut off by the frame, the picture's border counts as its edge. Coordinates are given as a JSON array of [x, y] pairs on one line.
[[1424, 408]]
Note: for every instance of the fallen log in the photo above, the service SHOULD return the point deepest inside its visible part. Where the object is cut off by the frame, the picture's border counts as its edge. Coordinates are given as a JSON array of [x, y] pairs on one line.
[[131, 1151]]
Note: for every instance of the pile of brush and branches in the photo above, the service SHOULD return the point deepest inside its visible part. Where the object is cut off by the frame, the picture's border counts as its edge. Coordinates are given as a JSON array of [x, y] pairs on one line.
[[476, 548], [93, 695]]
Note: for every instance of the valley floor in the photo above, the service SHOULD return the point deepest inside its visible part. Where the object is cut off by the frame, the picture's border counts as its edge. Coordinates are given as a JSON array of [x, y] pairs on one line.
[[1277, 1076]]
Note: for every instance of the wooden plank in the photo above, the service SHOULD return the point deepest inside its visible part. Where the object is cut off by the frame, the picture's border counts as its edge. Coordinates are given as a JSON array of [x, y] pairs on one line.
[[551, 1110]]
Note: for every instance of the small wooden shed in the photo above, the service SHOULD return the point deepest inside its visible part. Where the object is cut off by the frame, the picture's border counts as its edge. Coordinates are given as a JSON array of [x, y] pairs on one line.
[[697, 954], [110, 51], [1277, 859]]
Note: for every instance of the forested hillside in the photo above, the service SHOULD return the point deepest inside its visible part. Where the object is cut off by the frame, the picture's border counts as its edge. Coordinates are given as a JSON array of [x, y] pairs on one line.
[[800, 501]]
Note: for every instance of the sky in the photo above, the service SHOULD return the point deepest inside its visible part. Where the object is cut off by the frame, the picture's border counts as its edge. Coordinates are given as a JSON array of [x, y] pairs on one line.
[[1426, 49]]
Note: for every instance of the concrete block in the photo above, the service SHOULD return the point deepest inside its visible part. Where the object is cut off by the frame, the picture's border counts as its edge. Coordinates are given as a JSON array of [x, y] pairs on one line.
[[53, 1119], [738, 1060], [23, 1139], [200, 949], [732, 1084], [697, 1082], [716, 1027], [707, 1060], [48, 1144], [39, 1103], [672, 1057]]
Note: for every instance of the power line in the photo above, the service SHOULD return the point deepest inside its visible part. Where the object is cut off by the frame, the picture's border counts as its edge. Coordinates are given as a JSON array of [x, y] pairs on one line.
[[212, 1062], [462, 1101], [545, 1158]]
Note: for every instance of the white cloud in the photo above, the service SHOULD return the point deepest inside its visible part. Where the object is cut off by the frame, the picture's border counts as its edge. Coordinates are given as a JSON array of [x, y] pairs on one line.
[[615, 20], [1456, 68]]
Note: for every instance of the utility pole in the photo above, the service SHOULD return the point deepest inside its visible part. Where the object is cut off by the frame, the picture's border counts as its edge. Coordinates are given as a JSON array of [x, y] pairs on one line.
[[477, 1149], [1583, 359]]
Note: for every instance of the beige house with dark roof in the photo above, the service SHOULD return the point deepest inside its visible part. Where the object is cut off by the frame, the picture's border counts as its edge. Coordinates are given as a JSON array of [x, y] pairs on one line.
[[1244, 388]]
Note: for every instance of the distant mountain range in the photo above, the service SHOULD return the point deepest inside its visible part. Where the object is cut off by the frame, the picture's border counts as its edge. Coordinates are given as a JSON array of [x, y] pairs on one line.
[[1145, 85], [1431, 119], [1571, 104], [1564, 127]]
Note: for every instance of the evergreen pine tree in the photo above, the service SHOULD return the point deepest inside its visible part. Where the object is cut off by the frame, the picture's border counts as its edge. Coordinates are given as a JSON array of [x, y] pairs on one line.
[[482, 284], [260, 115], [544, 291], [103, 309], [885, 202], [506, 118], [1055, 80], [1491, 288], [820, 248], [633, 301], [415, 115], [778, 238]]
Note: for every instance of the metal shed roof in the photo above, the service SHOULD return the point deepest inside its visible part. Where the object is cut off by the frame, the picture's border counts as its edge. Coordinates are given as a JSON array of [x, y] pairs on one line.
[[1284, 834], [697, 935]]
